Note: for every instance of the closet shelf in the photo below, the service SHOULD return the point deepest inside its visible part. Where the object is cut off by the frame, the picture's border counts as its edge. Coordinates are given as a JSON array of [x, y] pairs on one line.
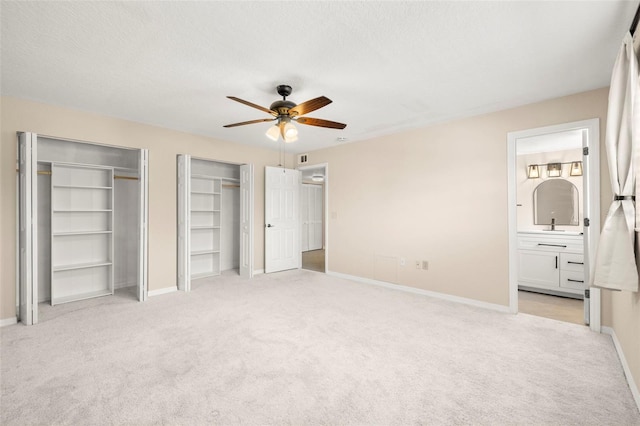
[[81, 296], [72, 267], [202, 252], [200, 227], [204, 275], [204, 193], [66, 234], [81, 210], [203, 211], [82, 187]]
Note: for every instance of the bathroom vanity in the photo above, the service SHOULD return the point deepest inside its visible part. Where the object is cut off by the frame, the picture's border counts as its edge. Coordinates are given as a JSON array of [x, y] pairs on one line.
[[551, 262]]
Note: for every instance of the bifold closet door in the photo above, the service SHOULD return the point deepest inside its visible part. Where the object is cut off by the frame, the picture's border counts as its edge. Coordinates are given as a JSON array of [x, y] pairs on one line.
[[184, 207], [143, 224], [27, 229], [246, 220]]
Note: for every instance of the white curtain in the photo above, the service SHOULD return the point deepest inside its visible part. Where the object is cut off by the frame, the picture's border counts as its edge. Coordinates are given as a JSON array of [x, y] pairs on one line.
[[615, 266]]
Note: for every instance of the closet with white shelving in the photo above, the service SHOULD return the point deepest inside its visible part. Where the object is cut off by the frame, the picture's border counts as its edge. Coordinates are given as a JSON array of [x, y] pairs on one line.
[[215, 219], [83, 221]]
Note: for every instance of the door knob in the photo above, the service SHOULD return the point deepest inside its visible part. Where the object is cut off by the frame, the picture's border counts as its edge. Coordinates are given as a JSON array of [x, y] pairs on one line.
[[269, 225]]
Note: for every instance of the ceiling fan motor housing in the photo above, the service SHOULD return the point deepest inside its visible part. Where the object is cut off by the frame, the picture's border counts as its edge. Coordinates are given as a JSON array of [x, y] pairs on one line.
[[282, 107]]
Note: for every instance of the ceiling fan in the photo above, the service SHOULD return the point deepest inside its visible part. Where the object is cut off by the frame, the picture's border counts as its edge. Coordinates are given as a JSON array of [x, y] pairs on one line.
[[286, 113]]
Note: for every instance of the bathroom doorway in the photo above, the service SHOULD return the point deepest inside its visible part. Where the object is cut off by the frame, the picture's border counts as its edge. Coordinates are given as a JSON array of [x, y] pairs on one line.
[[554, 221]]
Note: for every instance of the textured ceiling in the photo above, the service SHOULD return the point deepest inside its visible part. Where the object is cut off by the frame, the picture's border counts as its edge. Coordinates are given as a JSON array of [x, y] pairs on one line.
[[387, 66]]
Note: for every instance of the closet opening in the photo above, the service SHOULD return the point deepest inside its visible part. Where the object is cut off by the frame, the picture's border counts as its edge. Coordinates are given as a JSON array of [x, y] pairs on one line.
[[82, 223], [215, 217]]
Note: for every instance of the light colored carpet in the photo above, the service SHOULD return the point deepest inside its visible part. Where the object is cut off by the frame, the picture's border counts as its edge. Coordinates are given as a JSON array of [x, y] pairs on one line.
[[299, 348]]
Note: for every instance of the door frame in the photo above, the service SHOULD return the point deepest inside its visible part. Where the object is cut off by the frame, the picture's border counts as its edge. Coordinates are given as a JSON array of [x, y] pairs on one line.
[[325, 221], [591, 206], [29, 282]]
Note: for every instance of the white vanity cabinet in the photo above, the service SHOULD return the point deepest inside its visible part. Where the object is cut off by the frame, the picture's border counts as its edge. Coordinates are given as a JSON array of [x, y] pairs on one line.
[[551, 262]]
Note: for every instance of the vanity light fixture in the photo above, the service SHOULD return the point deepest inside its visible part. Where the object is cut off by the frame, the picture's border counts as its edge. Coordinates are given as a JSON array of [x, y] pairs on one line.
[[533, 171], [554, 169], [576, 168]]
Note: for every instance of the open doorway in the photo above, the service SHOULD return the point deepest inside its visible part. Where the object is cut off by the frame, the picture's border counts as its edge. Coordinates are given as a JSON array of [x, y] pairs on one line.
[[554, 221], [313, 208]]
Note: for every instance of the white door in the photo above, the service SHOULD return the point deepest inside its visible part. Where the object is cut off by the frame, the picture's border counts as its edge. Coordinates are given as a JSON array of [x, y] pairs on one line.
[[246, 220], [315, 217], [282, 219], [28, 236], [304, 216], [143, 224], [184, 245], [591, 230]]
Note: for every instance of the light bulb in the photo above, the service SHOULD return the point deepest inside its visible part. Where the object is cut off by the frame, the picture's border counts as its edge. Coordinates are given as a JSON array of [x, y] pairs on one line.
[[273, 133], [290, 131]]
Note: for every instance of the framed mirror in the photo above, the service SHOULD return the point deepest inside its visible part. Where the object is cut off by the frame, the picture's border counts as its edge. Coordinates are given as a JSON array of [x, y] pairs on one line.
[[555, 201]]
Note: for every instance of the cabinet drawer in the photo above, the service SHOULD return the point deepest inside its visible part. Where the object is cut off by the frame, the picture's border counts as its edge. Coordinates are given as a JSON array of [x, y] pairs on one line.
[[572, 262], [572, 279], [548, 243]]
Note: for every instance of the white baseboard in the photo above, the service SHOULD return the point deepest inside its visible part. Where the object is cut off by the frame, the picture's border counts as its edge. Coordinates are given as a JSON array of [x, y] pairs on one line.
[[125, 285], [625, 366], [160, 291], [8, 321], [258, 271], [434, 294]]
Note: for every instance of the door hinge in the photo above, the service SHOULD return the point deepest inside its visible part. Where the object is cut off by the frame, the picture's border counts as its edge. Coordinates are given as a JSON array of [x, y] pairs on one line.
[[587, 294], [585, 150], [586, 221]]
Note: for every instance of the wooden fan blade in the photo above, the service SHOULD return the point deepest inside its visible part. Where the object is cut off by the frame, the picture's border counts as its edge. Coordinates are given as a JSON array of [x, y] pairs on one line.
[[320, 123], [262, 120], [242, 101], [308, 106]]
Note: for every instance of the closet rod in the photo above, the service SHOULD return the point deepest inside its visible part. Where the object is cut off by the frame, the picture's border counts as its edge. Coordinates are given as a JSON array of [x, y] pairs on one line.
[[634, 23], [48, 172], [230, 185]]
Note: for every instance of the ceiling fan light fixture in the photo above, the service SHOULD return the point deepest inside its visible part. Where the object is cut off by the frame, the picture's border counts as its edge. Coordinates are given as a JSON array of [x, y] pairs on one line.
[[273, 133], [289, 139], [290, 131]]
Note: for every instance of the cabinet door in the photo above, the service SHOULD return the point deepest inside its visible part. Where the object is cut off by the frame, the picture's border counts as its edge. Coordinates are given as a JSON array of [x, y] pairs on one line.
[[538, 268]]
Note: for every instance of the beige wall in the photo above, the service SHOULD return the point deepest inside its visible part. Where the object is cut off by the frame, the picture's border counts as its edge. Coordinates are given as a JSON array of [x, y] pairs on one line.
[[437, 194], [440, 194], [163, 145]]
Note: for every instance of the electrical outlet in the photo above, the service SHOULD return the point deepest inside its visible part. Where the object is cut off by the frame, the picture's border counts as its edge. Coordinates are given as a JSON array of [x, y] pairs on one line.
[[417, 264], [425, 265], [403, 261]]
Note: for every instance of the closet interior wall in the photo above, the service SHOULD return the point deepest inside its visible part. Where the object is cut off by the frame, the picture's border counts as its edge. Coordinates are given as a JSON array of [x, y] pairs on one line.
[[229, 210], [119, 220]]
